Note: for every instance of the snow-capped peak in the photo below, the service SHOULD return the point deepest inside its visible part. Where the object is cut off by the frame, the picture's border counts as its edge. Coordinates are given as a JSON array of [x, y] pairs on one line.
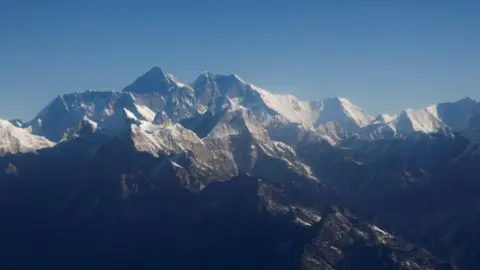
[[18, 140], [156, 80], [422, 120], [203, 76], [432, 118], [341, 111]]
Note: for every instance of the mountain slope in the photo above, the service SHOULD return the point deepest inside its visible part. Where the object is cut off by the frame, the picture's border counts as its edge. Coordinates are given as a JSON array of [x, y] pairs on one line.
[[67, 110], [17, 140], [423, 187], [457, 115], [156, 80], [179, 97], [446, 115], [383, 118], [312, 114], [425, 120], [343, 111], [235, 134]]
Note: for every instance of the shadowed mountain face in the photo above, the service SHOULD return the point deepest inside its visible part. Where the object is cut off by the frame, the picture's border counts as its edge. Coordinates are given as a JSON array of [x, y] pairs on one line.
[[423, 188], [90, 203], [93, 202]]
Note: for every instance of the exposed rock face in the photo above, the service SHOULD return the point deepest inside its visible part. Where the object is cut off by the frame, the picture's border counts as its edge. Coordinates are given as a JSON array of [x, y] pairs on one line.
[[341, 241]]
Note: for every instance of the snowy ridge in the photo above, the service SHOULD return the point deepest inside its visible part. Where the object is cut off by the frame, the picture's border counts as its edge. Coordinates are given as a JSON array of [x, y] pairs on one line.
[[423, 120], [313, 114], [101, 107], [267, 105], [17, 140], [288, 106], [155, 80], [384, 118], [433, 118], [158, 96], [357, 114]]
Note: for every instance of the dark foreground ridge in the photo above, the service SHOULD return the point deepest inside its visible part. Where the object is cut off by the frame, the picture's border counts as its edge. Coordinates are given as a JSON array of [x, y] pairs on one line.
[[63, 208]]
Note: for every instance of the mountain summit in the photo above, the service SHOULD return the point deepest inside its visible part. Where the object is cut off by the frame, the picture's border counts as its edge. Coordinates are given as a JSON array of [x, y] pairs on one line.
[[156, 80]]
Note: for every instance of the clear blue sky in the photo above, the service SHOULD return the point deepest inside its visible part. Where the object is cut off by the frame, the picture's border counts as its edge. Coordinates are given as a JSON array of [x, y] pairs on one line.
[[382, 55]]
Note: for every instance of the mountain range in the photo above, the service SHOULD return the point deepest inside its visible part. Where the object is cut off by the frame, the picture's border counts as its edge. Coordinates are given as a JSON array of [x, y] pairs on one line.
[[222, 174]]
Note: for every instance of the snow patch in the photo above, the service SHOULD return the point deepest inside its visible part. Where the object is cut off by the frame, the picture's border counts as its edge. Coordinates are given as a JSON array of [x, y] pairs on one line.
[[145, 112], [381, 235], [129, 114]]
